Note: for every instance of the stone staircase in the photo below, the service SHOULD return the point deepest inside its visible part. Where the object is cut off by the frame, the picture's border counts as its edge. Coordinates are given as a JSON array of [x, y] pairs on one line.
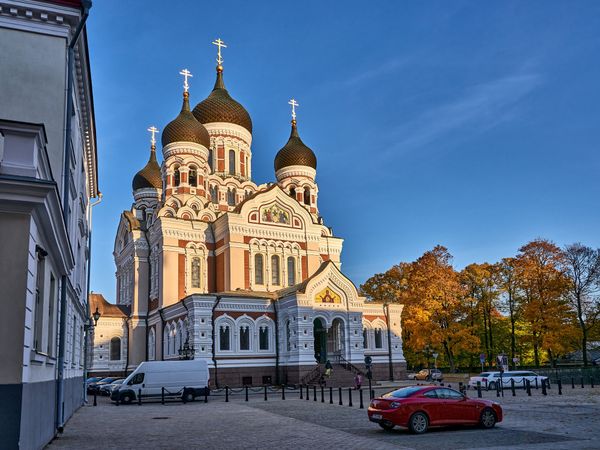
[[342, 375]]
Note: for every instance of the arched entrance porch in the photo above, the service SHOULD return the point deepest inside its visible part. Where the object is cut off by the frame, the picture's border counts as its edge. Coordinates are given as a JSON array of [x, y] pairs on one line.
[[328, 342]]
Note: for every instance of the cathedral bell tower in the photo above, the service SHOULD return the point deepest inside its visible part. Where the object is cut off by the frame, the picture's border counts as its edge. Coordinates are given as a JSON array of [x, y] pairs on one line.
[[147, 184], [296, 168], [185, 144]]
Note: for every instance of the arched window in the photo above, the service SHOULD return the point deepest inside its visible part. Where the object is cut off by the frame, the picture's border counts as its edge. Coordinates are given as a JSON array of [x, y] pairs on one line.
[[231, 197], [224, 337], [288, 336], [291, 271], [263, 337], [176, 177], [307, 195], [231, 162], [151, 345], [173, 341], [275, 270], [244, 337], [115, 349], [293, 192], [196, 272], [210, 158], [214, 194], [193, 174], [166, 342], [378, 338], [259, 269], [365, 338]]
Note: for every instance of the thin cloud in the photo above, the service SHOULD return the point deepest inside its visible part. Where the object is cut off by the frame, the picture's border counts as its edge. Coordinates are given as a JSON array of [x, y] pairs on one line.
[[482, 107], [388, 67]]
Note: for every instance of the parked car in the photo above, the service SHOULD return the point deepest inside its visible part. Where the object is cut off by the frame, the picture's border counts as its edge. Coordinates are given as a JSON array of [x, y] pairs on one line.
[[184, 379], [106, 389], [490, 380], [94, 387], [429, 375], [420, 407], [411, 376]]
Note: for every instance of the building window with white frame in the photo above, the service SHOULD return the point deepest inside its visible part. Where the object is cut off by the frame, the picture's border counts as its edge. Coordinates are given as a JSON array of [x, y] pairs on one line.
[[195, 273], [263, 337], [365, 338], [244, 337], [151, 345], [259, 269], [291, 271], [39, 300], [193, 176], [275, 269], [224, 338], [115, 349], [288, 336], [378, 338], [231, 162]]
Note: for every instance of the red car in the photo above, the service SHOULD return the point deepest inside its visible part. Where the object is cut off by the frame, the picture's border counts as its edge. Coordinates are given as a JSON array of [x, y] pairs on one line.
[[419, 407]]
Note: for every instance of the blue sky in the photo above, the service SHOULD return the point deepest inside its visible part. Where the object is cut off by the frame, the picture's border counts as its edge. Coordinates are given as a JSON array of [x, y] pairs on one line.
[[475, 125]]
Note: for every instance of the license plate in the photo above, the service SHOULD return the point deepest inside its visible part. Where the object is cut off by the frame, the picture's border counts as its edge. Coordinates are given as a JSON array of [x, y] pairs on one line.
[[376, 416]]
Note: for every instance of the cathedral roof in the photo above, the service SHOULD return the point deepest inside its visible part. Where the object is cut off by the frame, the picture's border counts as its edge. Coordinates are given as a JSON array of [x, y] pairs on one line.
[[295, 152], [220, 107], [149, 176], [107, 309], [185, 127]]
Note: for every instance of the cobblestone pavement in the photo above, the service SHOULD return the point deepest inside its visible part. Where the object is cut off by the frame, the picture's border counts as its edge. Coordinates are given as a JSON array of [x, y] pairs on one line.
[[570, 421]]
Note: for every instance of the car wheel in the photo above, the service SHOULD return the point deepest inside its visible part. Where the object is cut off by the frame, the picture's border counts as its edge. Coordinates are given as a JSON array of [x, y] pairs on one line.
[[126, 398], [492, 386], [188, 396], [418, 423], [487, 418], [387, 426]]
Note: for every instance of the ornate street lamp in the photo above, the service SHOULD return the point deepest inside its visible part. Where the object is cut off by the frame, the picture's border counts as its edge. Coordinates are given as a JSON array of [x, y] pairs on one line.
[[96, 316], [186, 352]]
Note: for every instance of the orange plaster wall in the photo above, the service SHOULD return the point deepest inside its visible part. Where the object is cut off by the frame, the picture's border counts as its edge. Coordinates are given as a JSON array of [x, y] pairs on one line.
[[181, 271], [246, 269]]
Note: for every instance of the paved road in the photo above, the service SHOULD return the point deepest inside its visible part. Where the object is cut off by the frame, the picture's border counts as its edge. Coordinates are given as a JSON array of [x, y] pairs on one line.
[[571, 421]]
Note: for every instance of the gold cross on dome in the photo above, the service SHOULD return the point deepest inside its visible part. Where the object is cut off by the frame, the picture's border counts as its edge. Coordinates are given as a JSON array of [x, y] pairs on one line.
[[219, 43], [186, 74], [153, 130], [294, 103]]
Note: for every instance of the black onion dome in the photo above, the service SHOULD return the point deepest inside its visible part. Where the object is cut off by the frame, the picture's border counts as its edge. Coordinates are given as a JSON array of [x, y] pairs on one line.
[[185, 127], [295, 153], [149, 176], [220, 107]]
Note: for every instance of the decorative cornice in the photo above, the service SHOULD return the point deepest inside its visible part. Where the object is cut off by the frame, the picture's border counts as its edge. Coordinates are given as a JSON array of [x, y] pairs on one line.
[[296, 171]]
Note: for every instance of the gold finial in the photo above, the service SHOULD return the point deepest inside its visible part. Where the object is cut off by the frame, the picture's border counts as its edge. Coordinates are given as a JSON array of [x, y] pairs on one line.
[[186, 74], [294, 103], [219, 43], [153, 130]]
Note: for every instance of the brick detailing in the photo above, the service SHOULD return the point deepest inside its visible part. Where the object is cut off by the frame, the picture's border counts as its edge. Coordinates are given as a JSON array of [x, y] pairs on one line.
[[211, 274], [221, 158], [220, 275], [304, 268], [372, 318], [254, 314], [324, 257]]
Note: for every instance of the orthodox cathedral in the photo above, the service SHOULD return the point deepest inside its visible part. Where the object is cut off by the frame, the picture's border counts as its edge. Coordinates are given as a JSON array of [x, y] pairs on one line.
[[211, 265]]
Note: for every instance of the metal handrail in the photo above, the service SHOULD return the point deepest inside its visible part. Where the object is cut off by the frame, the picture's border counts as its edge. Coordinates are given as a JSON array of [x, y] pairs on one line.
[[348, 365], [312, 376]]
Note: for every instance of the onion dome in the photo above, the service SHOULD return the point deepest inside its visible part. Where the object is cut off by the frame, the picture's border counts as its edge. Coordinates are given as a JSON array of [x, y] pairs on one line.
[[149, 176], [185, 127], [295, 153], [220, 107]]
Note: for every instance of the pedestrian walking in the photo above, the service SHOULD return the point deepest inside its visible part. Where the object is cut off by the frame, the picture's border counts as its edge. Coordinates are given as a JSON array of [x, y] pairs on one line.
[[328, 369], [358, 379]]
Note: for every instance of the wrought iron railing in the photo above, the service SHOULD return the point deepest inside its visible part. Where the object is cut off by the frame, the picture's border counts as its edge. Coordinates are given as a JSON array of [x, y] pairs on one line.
[[347, 365], [312, 376]]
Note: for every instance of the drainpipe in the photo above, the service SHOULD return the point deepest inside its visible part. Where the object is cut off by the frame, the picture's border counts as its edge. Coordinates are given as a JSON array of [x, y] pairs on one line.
[[214, 351], [162, 330], [389, 339], [60, 415], [87, 298], [277, 377], [126, 348], [149, 294]]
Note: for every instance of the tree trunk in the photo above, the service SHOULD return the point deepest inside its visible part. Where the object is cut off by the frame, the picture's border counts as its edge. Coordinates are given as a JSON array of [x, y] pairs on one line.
[[536, 356], [450, 356]]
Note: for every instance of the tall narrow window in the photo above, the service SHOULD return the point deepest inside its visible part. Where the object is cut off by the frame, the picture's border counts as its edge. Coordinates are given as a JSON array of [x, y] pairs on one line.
[[224, 341], [51, 307], [196, 272], [365, 338], [244, 337], [293, 192], [291, 271], [115, 349], [258, 269], [307, 195], [39, 300], [263, 338], [275, 270], [210, 159], [214, 194], [231, 197], [378, 338], [73, 339], [231, 162], [193, 177], [288, 336], [176, 177]]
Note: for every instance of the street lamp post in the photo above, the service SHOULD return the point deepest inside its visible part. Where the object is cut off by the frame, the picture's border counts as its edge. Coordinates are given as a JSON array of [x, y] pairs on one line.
[[186, 352], [435, 357]]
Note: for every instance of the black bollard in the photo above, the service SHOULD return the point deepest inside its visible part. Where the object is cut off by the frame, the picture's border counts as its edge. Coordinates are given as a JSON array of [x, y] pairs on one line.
[[497, 389], [118, 400], [536, 383], [340, 396], [360, 396], [162, 395], [350, 397], [139, 396], [226, 393], [528, 384], [572, 383], [479, 389], [330, 395], [322, 394], [307, 393], [315, 392], [372, 394], [512, 386], [265, 392], [183, 396], [246, 389], [544, 392], [206, 394], [301, 393], [592, 381], [559, 382], [95, 400], [581, 382], [283, 392]]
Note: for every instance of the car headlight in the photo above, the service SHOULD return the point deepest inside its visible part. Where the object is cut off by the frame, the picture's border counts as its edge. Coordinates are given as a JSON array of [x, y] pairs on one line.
[[395, 405]]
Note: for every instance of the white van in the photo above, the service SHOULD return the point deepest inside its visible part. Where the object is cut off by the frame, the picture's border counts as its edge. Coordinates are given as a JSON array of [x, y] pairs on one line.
[[185, 379]]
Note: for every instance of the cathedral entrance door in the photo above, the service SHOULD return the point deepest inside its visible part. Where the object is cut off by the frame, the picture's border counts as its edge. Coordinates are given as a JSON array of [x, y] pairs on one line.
[[320, 335]]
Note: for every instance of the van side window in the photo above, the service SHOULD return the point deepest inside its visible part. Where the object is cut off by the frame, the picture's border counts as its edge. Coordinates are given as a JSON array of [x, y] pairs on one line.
[[137, 379]]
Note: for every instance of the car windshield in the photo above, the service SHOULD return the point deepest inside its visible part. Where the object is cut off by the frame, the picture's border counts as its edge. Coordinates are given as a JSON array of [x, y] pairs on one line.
[[106, 380], [484, 374], [403, 392], [118, 381]]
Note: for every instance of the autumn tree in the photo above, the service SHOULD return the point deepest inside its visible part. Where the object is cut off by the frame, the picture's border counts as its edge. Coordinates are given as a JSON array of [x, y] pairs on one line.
[[582, 267], [545, 309], [508, 283]]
